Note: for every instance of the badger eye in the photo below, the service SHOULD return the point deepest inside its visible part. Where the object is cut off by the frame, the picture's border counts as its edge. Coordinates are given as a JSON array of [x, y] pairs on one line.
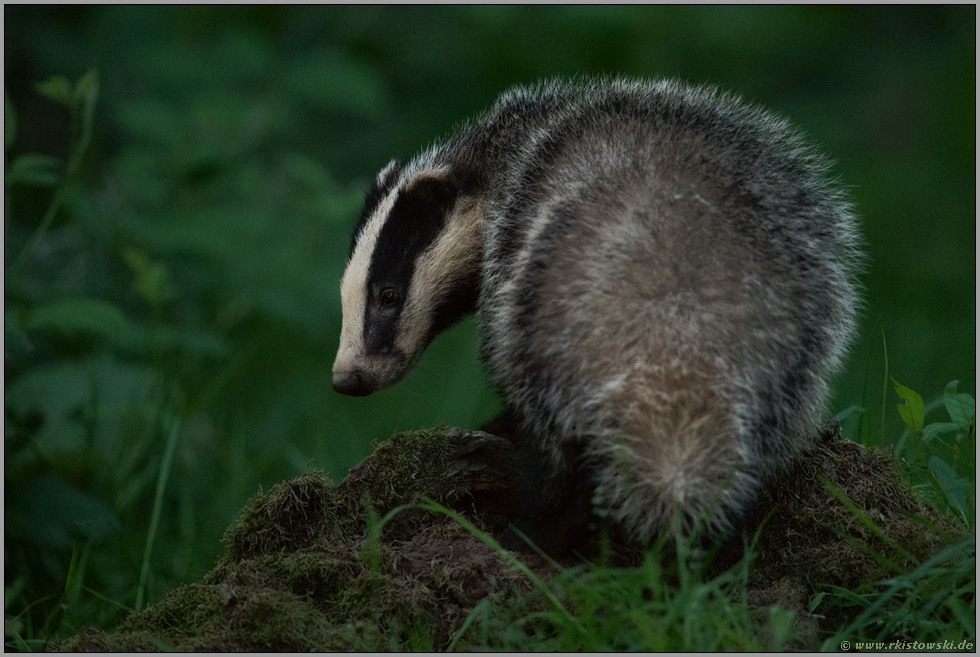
[[388, 298]]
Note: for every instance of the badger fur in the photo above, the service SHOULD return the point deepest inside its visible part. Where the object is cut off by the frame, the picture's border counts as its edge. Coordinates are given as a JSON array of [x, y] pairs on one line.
[[664, 278]]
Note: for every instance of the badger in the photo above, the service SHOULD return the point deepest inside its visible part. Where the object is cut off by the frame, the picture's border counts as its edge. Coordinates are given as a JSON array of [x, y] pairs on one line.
[[664, 277]]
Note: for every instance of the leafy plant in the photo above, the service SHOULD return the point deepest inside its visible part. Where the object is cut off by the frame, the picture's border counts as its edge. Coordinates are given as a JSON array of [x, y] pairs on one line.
[[182, 282], [935, 601], [47, 512], [944, 453], [34, 169]]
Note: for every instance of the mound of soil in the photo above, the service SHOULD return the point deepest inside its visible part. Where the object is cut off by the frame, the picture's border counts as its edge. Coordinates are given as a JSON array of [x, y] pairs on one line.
[[369, 564]]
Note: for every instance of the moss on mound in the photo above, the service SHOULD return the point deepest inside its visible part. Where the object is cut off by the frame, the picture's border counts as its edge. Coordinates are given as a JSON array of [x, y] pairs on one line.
[[308, 565]]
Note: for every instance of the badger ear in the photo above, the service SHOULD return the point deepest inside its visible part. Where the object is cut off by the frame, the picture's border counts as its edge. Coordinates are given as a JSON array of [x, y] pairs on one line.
[[386, 177], [434, 194]]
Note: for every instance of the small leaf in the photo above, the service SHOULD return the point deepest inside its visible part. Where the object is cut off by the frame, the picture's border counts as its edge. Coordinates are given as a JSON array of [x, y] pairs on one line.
[[937, 428], [962, 408], [953, 487], [916, 451], [86, 93], [9, 122], [34, 169], [80, 314], [87, 87], [151, 279], [913, 411], [906, 414], [57, 88]]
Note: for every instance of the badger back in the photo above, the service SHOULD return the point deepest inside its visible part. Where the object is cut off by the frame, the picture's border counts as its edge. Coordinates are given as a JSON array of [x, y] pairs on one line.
[[412, 272]]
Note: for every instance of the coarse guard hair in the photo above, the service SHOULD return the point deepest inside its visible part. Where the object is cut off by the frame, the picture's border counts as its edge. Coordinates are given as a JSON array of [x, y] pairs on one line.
[[664, 276]]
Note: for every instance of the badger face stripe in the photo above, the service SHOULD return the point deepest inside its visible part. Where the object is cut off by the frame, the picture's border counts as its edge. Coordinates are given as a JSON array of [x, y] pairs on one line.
[[446, 282], [415, 220], [382, 187], [353, 291], [376, 286]]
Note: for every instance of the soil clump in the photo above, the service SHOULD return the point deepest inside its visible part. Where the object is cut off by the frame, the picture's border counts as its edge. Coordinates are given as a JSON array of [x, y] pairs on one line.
[[369, 564]]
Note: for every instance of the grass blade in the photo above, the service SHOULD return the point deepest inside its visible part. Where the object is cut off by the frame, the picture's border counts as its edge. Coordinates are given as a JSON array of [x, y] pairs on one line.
[[164, 474], [884, 389]]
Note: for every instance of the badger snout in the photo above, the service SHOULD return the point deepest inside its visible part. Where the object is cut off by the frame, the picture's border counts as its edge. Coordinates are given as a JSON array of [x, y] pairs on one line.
[[358, 375], [354, 383]]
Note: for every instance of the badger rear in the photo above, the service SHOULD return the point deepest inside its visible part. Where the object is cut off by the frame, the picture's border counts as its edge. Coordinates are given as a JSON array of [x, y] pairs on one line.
[[664, 282]]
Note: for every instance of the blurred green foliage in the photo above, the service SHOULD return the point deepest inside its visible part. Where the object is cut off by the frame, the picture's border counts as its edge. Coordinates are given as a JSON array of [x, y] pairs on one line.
[[188, 177]]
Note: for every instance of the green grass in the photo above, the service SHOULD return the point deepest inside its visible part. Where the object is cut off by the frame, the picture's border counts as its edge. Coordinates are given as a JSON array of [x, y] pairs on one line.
[[596, 608], [599, 608]]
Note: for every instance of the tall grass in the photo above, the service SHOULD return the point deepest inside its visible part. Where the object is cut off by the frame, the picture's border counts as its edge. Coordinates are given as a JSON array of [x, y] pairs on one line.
[[595, 607]]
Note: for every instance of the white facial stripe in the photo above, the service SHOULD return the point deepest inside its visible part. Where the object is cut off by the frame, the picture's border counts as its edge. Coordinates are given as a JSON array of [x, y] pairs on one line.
[[454, 254], [353, 290]]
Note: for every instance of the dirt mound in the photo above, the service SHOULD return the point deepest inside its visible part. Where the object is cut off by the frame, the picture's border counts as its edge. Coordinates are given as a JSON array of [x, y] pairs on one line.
[[361, 565]]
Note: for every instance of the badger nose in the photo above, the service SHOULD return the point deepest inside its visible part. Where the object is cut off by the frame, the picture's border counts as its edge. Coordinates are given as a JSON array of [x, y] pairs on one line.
[[351, 383]]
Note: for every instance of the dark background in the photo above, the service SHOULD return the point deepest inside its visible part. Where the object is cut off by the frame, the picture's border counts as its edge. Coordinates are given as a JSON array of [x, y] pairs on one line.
[[204, 236]]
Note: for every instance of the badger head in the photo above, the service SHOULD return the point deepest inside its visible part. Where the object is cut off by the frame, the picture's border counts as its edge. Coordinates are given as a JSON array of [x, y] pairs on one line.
[[413, 271]]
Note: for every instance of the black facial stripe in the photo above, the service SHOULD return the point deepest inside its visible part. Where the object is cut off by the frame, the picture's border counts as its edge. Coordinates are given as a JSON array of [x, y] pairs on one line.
[[417, 217], [372, 198], [380, 330]]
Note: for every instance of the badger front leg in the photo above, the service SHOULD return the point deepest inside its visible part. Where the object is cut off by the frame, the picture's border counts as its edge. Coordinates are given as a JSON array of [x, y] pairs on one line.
[[556, 492]]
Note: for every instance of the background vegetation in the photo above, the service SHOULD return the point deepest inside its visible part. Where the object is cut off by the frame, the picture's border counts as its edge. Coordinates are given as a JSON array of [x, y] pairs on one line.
[[176, 224]]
